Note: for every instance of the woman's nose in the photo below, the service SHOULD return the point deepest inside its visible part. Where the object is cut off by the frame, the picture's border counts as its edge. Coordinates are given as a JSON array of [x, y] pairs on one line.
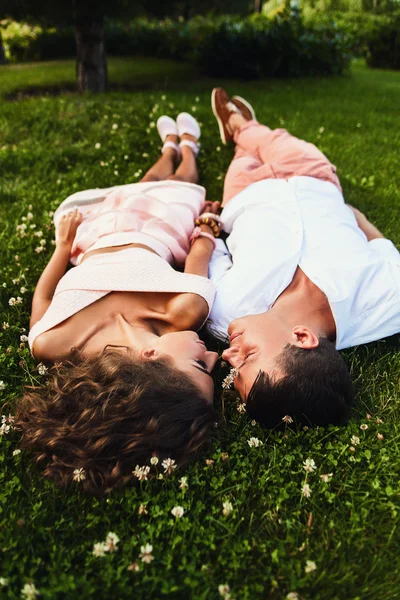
[[211, 359]]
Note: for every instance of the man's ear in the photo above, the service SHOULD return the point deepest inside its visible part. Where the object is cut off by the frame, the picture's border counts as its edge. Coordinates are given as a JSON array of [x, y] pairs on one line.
[[149, 354], [305, 337]]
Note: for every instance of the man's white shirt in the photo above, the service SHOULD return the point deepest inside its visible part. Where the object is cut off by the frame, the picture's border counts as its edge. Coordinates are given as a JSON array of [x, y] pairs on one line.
[[276, 225]]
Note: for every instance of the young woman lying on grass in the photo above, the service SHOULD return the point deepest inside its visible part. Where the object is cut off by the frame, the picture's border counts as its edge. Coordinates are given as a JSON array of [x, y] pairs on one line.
[[131, 379]]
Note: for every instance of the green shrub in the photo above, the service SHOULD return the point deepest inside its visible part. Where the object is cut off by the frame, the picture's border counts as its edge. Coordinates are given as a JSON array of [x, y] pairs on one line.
[[247, 48], [384, 44], [280, 47], [357, 26]]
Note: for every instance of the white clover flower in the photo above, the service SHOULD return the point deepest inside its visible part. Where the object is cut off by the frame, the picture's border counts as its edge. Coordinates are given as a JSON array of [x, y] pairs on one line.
[[197, 99], [326, 477], [12, 301], [23, 338], [352, 449], [38, 233], [134, 567], [5, 325], [126, 157], [309, 465], [177, 512], [310, 566], [363, 426], [29, 591], [229, 379], [241, 408], [115, 126], [99, 549], [254, 442], [23, 290], [29, 216], [79, 474], [379, 421], [183, 483], [287, 419], [39, 249], [42, 369], [2, 386], [16, 452], [227, 508], [115, 173], [224, 591], [154, 460], [141, 473], [97, 145], [146, 553], [194, 108], [152, 125], [111, 542], [355, 440], [163, 97], [142, 510], [169, 465], [306, 490], [292, 596], [380, 436], [209, 462], [3, 581]]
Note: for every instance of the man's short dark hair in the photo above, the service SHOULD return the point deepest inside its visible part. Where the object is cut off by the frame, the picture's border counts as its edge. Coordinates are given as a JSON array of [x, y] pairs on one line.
[[315, 390]]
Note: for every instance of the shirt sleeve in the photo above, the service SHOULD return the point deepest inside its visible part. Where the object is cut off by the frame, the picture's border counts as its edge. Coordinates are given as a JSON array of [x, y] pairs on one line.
[[220, 262], [385, 248]]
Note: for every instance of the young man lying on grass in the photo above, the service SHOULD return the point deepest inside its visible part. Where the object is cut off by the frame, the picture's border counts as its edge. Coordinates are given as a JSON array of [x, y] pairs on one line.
[[306, 275]]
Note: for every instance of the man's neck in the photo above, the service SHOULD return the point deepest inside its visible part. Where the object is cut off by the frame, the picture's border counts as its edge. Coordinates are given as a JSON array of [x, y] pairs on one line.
[[303, 302]]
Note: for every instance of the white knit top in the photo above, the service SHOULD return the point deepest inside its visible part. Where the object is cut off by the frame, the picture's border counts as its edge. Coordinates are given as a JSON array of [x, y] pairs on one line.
[[129, 270]]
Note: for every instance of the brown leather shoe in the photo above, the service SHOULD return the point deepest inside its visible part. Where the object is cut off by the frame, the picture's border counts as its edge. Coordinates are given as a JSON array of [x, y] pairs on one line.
[[223, 107], [245, 108]]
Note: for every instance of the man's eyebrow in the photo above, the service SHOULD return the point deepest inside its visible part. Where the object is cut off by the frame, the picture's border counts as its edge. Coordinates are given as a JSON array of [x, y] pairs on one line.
[[203, 371]]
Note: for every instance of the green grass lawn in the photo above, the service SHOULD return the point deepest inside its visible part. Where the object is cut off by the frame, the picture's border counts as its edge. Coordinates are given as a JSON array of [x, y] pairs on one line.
[[349, 526]]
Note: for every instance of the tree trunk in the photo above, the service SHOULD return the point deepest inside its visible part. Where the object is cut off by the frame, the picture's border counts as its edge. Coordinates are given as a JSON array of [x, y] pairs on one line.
[[3, 60], [91, 59], [257, 6]]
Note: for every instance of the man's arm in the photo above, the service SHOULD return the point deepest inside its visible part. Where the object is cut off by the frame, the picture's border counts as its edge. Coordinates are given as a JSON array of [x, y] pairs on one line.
[[366, 226]]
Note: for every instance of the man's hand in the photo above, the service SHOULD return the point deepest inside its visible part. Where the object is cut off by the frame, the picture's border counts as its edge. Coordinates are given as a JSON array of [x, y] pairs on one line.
[[212, 207], [366, 226], [67, 226]]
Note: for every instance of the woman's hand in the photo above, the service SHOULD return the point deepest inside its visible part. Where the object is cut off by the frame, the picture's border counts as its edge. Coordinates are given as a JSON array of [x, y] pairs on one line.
[[67, 226]]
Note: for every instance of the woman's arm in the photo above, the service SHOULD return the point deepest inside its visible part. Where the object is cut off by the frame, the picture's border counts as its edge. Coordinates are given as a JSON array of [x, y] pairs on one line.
[[198, 259], [57, 265]]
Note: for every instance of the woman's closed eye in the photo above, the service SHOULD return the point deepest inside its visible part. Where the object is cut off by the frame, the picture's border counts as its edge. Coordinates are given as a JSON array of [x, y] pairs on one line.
[[202, 367], [202, 363]]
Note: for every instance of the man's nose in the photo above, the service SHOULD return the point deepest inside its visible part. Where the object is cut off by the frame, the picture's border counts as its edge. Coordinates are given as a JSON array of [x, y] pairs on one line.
[[231, 354]]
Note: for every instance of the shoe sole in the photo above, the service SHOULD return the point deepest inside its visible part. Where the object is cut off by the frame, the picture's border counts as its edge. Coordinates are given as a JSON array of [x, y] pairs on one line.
[[247, 105], [219, 120]]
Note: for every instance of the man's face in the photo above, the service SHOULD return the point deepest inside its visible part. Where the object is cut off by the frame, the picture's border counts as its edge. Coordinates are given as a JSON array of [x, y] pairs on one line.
[[255, 345]]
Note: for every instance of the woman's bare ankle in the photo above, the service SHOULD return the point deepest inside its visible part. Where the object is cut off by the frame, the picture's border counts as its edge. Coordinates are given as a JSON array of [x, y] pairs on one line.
[[236, 121]]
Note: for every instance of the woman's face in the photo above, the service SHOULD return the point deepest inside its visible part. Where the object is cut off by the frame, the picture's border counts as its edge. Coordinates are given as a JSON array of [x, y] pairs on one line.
[[190, 355]]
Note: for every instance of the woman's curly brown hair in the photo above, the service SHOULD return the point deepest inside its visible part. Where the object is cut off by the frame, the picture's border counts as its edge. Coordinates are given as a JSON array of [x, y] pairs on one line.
[[108, 413]]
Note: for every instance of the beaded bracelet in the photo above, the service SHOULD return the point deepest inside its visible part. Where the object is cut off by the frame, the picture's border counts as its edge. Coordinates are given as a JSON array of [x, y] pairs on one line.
[[197, 232], [212, 224], [212, 216]]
